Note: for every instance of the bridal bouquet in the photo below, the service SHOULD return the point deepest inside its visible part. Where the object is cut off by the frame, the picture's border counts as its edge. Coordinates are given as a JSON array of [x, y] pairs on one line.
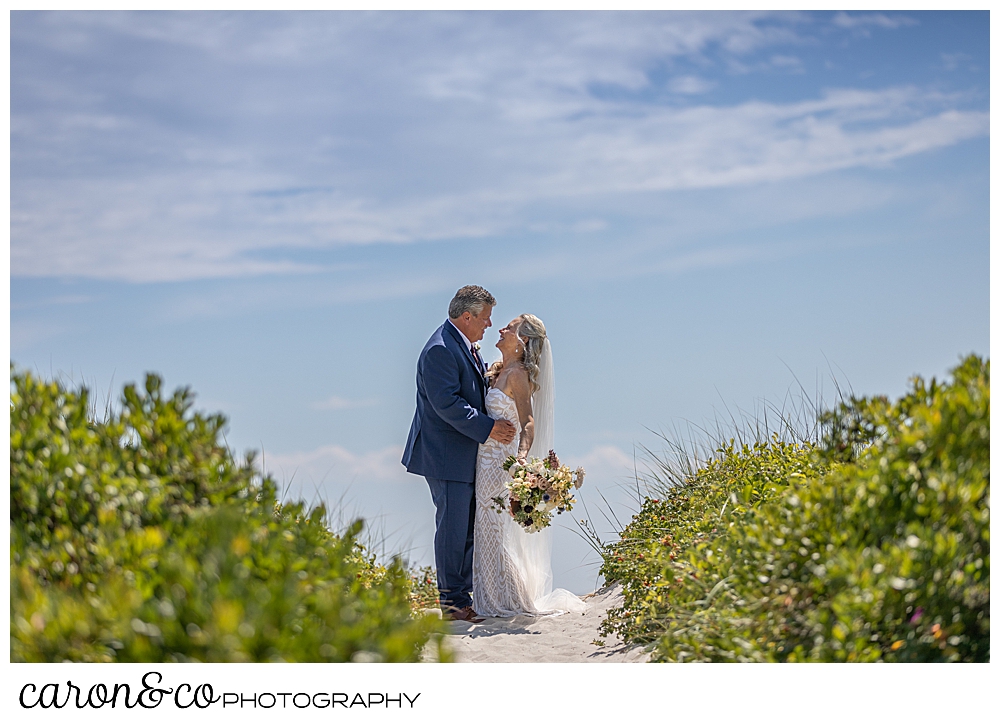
[[536, 488]]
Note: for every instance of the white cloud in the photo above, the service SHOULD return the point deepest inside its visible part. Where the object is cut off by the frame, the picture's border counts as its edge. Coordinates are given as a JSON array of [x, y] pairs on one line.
[[787, 62], [864, 20], [607, 460], [477, 125], [25, 334], [690, 85], [62, 300], [333, 462], [337, 403], [395, 505], [174, 227], [952, 61]]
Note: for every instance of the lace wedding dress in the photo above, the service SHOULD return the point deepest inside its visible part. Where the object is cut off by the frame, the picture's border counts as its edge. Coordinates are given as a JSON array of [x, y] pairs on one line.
[[511, 569]]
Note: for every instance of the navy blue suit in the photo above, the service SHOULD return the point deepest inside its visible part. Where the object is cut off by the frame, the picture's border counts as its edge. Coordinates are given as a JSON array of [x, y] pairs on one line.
[[449, 425]]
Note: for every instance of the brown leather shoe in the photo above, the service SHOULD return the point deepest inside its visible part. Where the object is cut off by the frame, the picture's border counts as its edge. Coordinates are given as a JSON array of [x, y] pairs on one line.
[[465, 615]]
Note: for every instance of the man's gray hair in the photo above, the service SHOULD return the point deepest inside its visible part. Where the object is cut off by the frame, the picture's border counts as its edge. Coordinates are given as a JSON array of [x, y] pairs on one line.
[[471, 299]]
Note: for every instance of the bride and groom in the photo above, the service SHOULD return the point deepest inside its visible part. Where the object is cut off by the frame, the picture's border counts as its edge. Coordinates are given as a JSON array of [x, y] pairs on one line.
[[469, 419]]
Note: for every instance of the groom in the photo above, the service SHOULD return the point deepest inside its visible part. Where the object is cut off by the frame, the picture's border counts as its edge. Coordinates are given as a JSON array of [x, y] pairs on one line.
[[449, 425]]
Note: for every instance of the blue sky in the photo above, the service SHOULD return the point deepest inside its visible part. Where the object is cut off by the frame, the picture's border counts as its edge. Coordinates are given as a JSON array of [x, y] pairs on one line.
[[275, 208]]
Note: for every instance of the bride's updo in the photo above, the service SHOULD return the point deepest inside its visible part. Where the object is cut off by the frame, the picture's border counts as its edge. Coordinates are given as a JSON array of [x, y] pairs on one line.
[[531, 331]]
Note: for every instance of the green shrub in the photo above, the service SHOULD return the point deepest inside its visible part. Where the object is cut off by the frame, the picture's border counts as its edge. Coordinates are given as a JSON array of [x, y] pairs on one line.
[[140, 539], [647, 558], [423, 588], [885, 557]]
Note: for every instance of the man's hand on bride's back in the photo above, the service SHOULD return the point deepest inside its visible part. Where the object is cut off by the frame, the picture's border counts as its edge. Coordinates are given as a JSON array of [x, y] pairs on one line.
[[503, 431]]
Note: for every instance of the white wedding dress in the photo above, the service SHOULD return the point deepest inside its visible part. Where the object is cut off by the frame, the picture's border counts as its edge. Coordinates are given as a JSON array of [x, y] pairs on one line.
[[511, 569]]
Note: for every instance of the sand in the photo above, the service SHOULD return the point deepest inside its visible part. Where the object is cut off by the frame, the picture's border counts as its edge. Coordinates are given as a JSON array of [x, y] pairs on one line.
[[562, 638]]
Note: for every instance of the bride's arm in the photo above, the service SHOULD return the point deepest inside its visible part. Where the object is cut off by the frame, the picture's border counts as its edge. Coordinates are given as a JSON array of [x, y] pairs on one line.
[[520, 391]]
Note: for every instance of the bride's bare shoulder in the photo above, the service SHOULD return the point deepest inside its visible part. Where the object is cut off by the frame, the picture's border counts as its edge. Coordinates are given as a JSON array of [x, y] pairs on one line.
[[517, 379]]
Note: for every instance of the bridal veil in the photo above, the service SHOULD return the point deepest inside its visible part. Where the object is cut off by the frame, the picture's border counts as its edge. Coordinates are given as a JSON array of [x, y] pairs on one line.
[[533, 551]]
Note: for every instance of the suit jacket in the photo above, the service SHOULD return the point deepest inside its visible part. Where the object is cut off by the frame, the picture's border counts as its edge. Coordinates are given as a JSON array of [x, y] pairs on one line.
[[451, 421]]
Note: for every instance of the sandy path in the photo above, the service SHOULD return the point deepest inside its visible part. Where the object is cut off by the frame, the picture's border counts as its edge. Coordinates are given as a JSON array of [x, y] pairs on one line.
[[557, 639]]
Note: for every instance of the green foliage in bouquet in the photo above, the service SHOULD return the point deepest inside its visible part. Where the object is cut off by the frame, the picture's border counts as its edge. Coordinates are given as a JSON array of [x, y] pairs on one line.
[[139, 538], [536, 489], [875, 548]]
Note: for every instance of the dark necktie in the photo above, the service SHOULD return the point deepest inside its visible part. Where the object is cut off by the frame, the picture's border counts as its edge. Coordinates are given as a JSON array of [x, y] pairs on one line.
[[479, 361]]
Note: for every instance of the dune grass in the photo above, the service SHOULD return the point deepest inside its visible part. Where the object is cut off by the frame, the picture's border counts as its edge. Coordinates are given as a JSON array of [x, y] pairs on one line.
[[862, 535]]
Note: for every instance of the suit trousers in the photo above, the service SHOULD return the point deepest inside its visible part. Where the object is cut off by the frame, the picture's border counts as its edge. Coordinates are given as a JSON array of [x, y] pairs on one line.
[[455, 519]]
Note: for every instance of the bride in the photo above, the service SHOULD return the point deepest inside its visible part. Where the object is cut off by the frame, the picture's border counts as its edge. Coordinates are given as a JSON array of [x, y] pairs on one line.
[[511, 569]]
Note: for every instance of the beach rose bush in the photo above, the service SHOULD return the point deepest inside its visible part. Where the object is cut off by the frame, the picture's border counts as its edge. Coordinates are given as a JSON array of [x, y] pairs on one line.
[[140, 538], [876, 548], [424, 593], [649, 557]]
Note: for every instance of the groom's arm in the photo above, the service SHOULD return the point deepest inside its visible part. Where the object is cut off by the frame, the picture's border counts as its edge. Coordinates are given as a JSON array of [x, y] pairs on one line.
[[442, 386]]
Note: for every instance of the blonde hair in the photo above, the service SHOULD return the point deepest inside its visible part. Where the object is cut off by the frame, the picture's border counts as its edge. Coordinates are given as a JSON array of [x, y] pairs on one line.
[[531, 331]]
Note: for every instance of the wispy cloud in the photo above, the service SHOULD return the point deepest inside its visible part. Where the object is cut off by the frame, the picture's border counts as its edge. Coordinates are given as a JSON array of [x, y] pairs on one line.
[[607, 460], [26, 333], [953, 61], [787, 62], [336, 463], [62, 300], [373, 485], [870, 20], [226, 146], [690, 84], [338, 403], [92, 229]]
